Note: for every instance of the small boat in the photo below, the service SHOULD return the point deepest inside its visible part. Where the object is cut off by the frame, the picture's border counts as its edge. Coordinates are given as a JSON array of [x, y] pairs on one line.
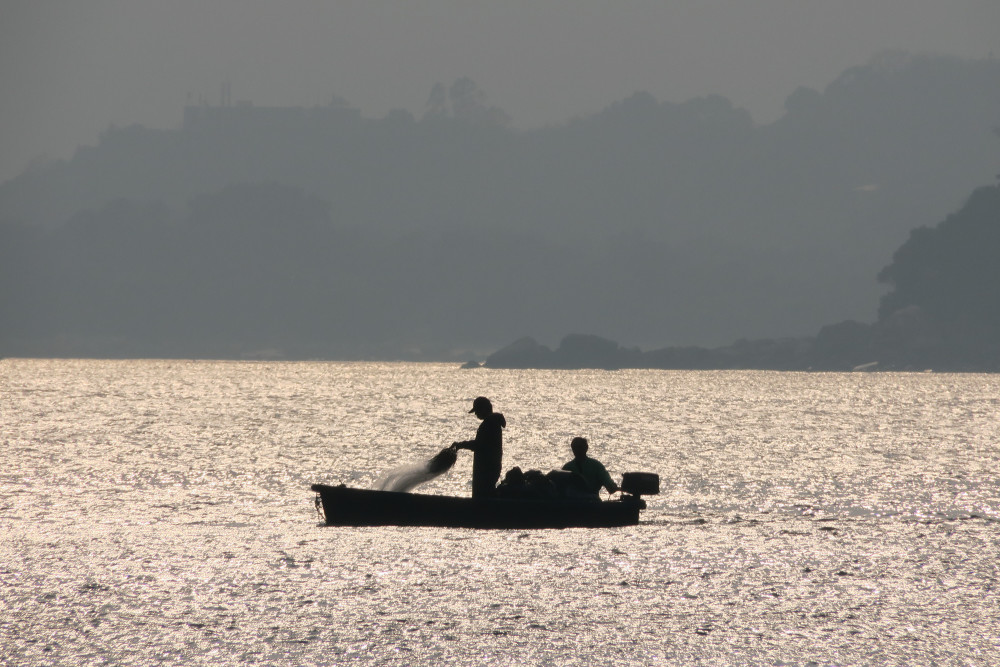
[[345, 506]]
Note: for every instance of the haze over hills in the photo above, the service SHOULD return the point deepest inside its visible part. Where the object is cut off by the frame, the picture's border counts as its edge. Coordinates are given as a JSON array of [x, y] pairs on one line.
[[942, 312], [316, 232]]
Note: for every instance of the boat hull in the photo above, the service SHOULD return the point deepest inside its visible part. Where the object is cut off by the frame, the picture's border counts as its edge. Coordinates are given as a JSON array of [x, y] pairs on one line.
[[343, 506]]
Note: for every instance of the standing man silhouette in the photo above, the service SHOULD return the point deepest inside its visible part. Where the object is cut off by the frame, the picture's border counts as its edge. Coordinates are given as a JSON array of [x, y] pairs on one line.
[[487, 448]]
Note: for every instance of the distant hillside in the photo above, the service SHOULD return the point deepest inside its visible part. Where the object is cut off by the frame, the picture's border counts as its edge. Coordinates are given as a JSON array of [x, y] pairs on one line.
[[943, 313], [651, 222], [946, 279]]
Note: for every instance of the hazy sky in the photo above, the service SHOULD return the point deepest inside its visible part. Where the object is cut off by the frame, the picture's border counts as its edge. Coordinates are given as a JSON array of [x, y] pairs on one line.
[[70, 68]]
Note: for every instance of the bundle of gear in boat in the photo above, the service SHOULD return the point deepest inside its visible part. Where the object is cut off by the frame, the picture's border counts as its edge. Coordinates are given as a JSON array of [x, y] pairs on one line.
[[555, 484]]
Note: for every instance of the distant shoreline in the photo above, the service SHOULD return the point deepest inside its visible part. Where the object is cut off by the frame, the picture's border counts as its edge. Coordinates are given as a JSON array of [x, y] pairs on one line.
[[847, 347], [584, 352]]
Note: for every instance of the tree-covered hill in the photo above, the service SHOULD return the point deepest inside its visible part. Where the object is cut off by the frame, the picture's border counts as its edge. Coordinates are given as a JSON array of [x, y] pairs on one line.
[[321, 232], [948, 278]]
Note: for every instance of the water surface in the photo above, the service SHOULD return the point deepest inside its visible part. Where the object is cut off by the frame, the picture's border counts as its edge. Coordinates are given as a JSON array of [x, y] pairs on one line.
[[159, 513]]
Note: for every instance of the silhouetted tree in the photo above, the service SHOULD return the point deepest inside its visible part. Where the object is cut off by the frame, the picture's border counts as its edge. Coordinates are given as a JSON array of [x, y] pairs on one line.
[[468, 103], [437, 102]]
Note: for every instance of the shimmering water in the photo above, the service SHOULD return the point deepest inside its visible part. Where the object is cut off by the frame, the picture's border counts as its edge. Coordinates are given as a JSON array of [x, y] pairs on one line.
[[159, 513]]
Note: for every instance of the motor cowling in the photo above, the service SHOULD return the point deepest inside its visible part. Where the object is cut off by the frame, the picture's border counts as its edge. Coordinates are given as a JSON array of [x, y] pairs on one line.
[[641, 483]]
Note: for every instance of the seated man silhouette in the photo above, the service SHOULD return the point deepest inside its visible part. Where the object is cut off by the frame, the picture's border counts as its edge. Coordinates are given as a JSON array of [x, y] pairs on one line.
[[591, 471]]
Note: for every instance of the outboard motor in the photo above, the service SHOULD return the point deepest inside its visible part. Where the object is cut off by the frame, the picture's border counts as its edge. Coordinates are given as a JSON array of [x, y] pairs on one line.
[[638, 484], [641, 483]]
